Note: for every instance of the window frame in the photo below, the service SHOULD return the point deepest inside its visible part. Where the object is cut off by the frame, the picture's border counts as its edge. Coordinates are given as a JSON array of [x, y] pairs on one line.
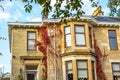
[[82, 68], [115, 37], [93, 69], [80, 33], [90, 37], [67, 68], [30, 39], [65, 36], [115, 70]]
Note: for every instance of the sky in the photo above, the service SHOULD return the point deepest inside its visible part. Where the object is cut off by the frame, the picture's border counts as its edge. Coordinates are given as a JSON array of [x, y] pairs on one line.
[[14, 11]]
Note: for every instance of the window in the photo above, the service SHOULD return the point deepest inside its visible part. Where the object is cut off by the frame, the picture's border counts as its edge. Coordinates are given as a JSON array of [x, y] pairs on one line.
[[93, 71], [69, 70], [112, 39], [116, 71], [31, 36], [80, 35], [90, 37], [67, 36], [31, 72], [82, 70]]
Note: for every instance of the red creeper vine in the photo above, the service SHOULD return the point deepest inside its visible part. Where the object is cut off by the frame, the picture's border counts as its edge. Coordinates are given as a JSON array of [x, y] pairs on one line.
[[99, 70]]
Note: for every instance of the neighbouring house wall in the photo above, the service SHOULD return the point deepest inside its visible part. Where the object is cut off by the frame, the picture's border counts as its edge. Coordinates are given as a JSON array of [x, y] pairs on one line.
[[19, 49], [101, 36]]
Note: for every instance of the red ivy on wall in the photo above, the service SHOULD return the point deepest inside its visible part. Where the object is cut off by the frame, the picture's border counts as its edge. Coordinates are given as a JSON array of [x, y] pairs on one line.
[[42, 46], [99, 70]]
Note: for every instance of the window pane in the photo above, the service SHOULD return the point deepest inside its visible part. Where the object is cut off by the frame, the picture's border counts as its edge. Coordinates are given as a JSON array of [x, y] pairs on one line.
[[111, 33], [80, 39], [82, 74], [31, 35], [79, 29], [31, 44], [67, 29], [68, 40], [113, 43], [82, 64], [116, 67], [69, 65], [70, 76], [31, 47], [69, 72], [116, 73]]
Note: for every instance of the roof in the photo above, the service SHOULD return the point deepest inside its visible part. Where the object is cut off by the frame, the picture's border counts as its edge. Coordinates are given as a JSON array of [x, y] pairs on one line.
[[25, 23], [107, 19], [95, 20]]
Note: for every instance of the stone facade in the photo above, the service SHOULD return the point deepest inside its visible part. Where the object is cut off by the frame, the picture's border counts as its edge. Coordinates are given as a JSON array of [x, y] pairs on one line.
[[78, 60]]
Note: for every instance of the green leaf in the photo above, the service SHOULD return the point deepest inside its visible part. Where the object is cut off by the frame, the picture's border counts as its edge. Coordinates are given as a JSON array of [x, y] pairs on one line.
[[0, 53]]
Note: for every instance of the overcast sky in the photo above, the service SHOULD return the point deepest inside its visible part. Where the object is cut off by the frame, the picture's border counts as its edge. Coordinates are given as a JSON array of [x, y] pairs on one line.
[[14, 11]]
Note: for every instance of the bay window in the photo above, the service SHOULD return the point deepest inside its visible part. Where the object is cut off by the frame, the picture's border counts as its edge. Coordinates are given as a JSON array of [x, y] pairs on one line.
[[31, 37], [67, 36], [80, 35]]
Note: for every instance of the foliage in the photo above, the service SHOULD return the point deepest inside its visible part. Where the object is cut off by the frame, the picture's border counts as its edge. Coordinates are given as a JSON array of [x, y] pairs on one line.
[[114, 6], [99, 69], [73, 7], [46, 46], [2, 7], [70, 8], [42, 46]]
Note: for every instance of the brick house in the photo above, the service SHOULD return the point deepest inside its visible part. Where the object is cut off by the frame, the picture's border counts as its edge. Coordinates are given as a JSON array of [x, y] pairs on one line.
[[77, 59]]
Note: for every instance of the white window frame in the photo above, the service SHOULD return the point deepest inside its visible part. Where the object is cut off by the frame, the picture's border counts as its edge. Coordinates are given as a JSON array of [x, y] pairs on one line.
[[67, 35]]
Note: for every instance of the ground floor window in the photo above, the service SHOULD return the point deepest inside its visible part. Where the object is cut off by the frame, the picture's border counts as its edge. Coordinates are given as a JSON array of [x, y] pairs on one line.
[[82, 70], [69, 70], [93, 70], [116, 71]]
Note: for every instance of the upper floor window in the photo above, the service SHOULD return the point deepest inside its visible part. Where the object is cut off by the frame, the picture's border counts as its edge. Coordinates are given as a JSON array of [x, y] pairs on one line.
[[80, 35], [116, 71], [112, 39], [90, 37], [31, 37], [67, 36], [82, 70], [69, 70]]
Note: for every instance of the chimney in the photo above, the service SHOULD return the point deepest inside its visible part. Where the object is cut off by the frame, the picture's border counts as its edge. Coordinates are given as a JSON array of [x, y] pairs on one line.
[[44, 17], [98, 12]]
